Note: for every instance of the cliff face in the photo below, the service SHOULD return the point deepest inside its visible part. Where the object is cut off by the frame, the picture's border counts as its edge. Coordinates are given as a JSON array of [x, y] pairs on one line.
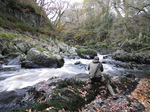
[[22, 12]]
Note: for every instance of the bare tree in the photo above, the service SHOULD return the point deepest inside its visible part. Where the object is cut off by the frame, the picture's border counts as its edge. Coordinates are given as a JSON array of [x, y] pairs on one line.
[[54, 9]]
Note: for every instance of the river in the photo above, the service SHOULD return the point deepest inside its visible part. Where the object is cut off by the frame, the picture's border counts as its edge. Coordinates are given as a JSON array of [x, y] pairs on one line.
[[15, 83]]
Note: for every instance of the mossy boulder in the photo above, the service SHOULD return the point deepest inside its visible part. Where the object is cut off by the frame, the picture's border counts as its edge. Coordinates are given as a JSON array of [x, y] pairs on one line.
[[39, 59], [86, 53], [131, 45], [124, 56], [123, 84]]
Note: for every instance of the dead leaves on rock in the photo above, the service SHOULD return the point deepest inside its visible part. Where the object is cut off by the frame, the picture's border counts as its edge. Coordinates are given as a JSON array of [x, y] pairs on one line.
[[142, 92]]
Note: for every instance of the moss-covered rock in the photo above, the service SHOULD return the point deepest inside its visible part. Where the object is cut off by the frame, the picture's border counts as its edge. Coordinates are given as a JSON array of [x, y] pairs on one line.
[[86, 53], [133, 57], [123, 84], [131, 45], [38, 59]]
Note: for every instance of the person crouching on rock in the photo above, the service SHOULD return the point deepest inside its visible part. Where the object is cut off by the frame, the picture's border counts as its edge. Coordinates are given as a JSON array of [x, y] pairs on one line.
[[95, 69]]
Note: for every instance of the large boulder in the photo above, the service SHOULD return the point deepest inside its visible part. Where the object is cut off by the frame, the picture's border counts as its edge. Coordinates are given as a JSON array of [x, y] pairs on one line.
[[86, 53], [22, 45], [124, 56], [39, 59], [15, 46]]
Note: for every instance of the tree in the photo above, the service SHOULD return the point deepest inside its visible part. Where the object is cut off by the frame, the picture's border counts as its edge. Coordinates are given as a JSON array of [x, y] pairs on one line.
[[54, 9]]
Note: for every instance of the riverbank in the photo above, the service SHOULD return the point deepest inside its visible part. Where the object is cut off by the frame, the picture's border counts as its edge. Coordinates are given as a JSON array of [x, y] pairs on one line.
[[77, 94]]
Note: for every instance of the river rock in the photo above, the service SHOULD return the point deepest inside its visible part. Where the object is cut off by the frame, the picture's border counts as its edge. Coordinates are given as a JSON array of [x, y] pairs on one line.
[[86, 53], [10, 67], [39, 59], [121, 55], [22, 45]]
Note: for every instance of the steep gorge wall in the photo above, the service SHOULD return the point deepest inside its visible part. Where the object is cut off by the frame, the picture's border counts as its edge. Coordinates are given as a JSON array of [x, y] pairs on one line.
[[23, 13]]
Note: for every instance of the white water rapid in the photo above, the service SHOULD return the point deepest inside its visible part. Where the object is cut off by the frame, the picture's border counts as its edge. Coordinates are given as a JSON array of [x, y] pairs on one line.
[[11, 80]]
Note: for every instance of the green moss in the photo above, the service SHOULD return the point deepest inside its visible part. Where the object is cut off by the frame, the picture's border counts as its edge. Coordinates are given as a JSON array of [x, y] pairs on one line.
[[54, 57], [66, 99], [86, 51], [62, 98], [71, 82], [7, 36], [40, 48]]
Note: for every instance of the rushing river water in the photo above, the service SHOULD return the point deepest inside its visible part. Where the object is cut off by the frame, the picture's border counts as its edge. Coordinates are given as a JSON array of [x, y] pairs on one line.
[[10, 81]]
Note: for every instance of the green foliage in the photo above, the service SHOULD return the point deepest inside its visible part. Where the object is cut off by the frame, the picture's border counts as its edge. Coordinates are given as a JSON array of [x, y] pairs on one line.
[[7, 36]]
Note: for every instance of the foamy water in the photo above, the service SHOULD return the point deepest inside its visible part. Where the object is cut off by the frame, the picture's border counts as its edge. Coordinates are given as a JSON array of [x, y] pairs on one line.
[[11, 80]]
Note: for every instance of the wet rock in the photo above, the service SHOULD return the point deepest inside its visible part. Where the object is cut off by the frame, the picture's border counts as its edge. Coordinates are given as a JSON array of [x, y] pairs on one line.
[[121, 55], [124, 84], [10, 67], [38, 59], [81, 76], [86, 53], [78, 62], [80, 65], [130, 75]]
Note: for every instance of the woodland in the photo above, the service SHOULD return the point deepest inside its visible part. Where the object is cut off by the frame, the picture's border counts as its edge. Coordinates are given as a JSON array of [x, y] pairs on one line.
[[110, 22]]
